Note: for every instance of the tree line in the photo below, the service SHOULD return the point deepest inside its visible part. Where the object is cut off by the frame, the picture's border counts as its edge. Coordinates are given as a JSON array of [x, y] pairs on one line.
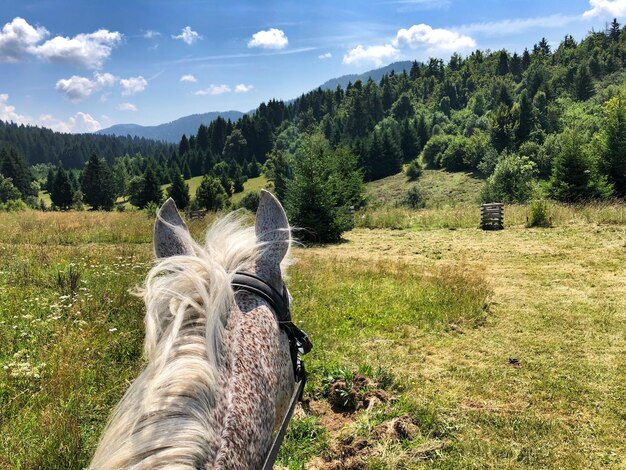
[[545, 120]]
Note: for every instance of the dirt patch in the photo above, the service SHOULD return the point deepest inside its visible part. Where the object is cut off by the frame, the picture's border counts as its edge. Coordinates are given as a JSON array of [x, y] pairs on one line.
[[348, 396]]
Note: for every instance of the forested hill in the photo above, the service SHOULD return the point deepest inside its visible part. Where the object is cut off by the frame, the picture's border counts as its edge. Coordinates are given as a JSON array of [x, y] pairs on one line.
[[40, 145], [540, 114], [170, 131], [376, 75]]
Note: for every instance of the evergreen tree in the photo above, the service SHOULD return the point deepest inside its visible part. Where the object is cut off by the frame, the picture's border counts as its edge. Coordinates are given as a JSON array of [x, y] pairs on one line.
[[50, 179], [324, 187], [151, 188], [62, 194], [120, 178], [183, 146], [415, 71], [583, 85], [409, 141], [211, 194], [8, 192], [503, 63], [573, 176], [525, 118], [614, 30], [179, 191], [13, 165], [612, 152], [97, 184]]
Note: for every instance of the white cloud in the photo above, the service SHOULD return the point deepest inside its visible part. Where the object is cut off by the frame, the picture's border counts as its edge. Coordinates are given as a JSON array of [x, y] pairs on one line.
[[8, 112], [517, 25], [17, 37], [133, 85], [79, 123], [78, 88], [214, 90], [375, 55], [151, 34], [433, 39], [243, 88], [127, 107], [83, 50], [188, 35], [608, 8], [327, 55], [271, 39], [188, 78]]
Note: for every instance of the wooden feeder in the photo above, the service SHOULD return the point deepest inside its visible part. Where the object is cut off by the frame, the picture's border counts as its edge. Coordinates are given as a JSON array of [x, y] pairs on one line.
[[492, 216]]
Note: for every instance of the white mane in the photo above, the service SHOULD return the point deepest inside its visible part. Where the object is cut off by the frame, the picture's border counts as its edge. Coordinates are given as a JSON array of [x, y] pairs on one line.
[[166, 414]]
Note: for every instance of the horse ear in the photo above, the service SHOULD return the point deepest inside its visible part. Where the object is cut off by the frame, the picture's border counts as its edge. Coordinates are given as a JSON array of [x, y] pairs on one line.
[[171, 235], [272, 228]]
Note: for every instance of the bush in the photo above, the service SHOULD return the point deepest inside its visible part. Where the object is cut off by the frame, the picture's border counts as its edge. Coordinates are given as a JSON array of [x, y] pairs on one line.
[[435, 148], [413, 198], [250, 202], [513, 180], [13, 205], [211, 195], [539, 214], [414, 170]]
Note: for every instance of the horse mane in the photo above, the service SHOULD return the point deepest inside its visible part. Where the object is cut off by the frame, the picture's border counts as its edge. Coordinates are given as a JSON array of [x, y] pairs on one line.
[[165, 416]]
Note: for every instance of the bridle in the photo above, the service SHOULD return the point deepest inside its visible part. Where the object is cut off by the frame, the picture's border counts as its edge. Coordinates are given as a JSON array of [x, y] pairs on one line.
[[299, 344]]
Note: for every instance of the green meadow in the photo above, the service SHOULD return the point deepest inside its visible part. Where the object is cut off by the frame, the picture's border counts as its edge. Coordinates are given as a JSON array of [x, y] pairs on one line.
[[437, 345]]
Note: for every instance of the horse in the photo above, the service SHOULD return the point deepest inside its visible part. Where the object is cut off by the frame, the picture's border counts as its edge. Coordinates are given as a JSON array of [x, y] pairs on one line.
[[219, 370]]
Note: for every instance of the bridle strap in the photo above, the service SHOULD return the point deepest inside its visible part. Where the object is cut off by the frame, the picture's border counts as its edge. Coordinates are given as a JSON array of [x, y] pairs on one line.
[[280, 435], [299, 343]]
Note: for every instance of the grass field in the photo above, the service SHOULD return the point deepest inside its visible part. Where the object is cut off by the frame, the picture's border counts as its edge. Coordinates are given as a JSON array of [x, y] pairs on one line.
[[437, 345], [252, 185]]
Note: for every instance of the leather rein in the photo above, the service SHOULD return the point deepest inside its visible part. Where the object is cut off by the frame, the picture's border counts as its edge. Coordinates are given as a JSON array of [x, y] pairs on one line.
[[299, 344]]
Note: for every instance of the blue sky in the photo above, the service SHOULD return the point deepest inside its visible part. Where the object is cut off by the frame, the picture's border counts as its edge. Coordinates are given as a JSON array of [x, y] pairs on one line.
[[78, 66]]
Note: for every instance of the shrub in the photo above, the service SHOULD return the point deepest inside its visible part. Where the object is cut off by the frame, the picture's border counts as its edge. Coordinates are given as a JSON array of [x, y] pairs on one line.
[[250, 201], [434, 150], [539, 214], [413, 198], [211, 195], [13, 205], [513, 180], [414, 170]]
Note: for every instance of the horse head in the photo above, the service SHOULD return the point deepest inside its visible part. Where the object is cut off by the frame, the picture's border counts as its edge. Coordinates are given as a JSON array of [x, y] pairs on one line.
[[219, 368]]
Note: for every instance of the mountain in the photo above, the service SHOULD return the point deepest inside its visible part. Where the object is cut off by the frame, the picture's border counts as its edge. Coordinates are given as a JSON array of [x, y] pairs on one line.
[[171, 131], [375, 75]]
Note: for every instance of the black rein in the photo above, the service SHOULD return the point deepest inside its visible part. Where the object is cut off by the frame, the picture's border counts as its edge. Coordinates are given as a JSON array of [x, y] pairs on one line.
[[299, 344]]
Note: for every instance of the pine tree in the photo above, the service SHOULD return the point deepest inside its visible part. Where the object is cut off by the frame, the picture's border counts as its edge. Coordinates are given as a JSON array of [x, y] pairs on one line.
[[151, 188], [62, 194], [179, 191], [211, 194], [415, 71], [97, 184], [324, 187], [612, 160], [50, 179], [409, 141], [13, 165], [183, 146], [583, 85], [573, 177], [614, 30], [503, 63]]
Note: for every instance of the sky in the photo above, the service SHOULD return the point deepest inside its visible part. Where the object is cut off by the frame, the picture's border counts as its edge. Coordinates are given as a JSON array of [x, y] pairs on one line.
[[79, 66]]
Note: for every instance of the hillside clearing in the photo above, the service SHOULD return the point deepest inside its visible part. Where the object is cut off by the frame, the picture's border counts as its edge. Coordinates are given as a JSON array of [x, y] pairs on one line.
[[507, 347]]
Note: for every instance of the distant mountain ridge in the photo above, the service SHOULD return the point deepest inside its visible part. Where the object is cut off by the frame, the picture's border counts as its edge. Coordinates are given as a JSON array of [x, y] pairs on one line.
[[376, 75], [170, 132]]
